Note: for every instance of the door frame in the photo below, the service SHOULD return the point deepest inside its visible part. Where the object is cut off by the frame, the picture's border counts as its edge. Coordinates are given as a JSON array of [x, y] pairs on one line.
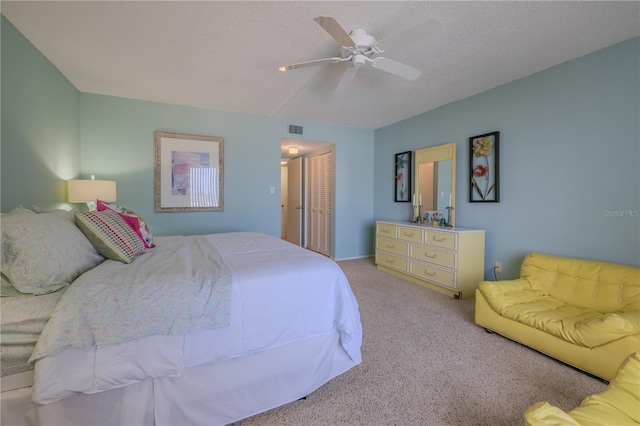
[[323, 147]]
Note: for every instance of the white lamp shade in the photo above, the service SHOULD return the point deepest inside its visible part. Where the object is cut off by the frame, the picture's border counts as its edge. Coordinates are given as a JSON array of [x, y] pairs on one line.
[[87, 191]]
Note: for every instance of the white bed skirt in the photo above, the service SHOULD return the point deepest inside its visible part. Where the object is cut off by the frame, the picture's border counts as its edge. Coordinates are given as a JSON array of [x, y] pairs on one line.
[[214, 394]]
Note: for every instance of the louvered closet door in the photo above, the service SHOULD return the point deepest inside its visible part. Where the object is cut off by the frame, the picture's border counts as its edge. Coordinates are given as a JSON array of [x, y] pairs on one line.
[[319, 198]]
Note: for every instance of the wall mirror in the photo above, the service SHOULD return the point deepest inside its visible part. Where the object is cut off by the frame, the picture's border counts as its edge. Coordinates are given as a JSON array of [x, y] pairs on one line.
[[435, 179]]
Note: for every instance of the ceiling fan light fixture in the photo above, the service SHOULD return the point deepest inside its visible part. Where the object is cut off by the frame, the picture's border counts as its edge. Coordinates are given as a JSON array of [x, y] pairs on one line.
[[358, 60]]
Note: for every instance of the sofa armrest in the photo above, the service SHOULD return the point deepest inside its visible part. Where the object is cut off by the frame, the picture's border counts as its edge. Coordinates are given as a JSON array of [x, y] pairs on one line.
[[504, 286], [543, 413], [631, 313], [600, 330], [509, 292]]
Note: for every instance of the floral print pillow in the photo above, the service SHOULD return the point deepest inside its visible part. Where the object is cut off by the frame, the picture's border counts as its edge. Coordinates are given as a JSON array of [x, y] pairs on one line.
[[42, 253]]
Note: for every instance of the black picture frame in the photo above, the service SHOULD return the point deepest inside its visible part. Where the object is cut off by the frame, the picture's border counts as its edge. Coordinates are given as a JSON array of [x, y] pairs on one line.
[[484, 168], [402, 177]]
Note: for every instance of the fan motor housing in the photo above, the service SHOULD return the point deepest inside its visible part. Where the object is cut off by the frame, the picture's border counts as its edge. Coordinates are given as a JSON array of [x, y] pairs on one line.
[[361, 39]]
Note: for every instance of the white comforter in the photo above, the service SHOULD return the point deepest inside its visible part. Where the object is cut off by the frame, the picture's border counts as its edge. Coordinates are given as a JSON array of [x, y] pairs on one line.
[[173, 289], [280, 294]]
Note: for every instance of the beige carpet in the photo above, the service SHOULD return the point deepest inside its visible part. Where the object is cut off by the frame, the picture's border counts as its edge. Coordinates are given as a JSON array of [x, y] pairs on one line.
[[425, 362]]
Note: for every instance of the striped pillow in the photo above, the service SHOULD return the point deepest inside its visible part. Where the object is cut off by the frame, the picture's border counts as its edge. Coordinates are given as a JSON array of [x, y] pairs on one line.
[[110, 235]]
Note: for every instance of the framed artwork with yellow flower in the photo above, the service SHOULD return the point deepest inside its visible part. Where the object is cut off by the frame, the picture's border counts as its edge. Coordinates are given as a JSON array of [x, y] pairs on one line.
[[484, 168]]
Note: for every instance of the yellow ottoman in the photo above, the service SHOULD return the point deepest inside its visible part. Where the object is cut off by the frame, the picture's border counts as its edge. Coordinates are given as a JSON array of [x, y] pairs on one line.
[[618, 404]]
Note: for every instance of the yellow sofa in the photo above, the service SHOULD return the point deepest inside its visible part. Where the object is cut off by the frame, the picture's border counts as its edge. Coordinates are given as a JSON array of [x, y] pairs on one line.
[[618, 404], [582, 312]]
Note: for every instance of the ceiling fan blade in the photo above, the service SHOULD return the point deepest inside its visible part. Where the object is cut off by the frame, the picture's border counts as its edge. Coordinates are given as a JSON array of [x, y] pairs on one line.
[[396, 68], [423, 30], [335, 30], [310, 63], [345, 81]]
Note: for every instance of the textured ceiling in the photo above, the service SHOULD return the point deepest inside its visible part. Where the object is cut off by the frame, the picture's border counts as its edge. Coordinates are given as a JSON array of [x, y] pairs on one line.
[[225, 55]]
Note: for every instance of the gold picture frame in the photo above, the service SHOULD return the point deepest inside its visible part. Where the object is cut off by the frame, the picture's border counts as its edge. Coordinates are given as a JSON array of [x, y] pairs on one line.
[[189, 173]]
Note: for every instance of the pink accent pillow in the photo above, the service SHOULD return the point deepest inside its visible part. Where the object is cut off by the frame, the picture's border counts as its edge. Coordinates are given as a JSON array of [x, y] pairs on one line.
[[110, 235], [133, 219]]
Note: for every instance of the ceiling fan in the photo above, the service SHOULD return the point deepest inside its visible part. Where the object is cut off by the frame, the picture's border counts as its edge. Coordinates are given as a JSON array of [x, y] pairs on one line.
[[361, 48]]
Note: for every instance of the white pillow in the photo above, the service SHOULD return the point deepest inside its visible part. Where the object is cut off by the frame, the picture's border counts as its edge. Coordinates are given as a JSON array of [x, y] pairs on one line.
[[7, 289], [18, 210], [44, 252]]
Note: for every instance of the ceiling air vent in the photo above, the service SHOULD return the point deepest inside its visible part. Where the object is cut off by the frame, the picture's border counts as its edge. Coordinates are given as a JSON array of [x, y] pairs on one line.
[[295, 130]]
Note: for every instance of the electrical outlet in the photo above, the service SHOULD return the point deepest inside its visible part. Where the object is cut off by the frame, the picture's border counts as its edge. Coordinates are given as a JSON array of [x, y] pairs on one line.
[[498, 267]]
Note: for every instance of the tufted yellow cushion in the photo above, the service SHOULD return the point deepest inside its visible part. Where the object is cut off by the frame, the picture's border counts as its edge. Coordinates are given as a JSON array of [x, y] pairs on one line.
[[594, 285], [517, 300]]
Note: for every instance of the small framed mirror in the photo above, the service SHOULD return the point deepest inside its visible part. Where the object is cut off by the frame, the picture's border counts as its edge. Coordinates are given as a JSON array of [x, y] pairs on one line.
[[435, 179]]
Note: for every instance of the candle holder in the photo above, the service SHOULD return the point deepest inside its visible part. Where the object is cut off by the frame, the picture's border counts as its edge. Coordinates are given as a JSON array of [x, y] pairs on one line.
[[419, 217], [449, 216], [412, 218]]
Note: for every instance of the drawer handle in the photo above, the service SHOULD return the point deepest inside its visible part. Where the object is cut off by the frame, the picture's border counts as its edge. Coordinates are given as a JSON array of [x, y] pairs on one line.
[[409, 234], [391, 246], [432, 274], [426, 254], [385, 230], [440, 241], [390, 260]]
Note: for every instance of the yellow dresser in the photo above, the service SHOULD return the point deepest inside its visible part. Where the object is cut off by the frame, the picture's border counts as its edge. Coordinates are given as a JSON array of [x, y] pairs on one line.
[[450, 260]]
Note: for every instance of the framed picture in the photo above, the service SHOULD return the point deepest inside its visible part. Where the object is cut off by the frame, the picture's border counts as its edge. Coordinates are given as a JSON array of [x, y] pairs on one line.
[[189, 173], [484, 168], [403, 177]]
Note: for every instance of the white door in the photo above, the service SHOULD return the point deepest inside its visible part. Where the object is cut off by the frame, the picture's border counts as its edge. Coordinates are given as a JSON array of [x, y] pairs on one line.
[[284, 197], [294, 201], [319, 201]]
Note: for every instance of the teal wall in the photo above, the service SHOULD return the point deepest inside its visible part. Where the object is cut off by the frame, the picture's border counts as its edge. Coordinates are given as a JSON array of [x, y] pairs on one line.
[[569, 160], [52, 133], [117, 144], [40, 121]]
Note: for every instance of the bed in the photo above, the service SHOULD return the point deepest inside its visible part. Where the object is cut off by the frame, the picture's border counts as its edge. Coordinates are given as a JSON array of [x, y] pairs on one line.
[[195, 330]]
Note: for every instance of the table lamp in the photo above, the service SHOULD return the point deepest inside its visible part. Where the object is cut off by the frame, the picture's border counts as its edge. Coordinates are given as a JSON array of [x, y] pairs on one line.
[[90, 190]]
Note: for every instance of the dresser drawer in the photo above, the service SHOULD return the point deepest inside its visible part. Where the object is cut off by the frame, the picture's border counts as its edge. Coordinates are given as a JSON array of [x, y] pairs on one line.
[[410, 234], [391, 261], [433, 273], [395, 246], [442, 239], [434, 255], [386, 229]]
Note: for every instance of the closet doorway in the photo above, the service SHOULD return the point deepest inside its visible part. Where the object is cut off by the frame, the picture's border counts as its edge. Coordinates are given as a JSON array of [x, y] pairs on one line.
[[308, 184], [319, 202]]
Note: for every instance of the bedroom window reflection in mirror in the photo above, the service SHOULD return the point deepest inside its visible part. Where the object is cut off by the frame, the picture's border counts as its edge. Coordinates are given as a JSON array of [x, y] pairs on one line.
[[189, 173], [435, 179]]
